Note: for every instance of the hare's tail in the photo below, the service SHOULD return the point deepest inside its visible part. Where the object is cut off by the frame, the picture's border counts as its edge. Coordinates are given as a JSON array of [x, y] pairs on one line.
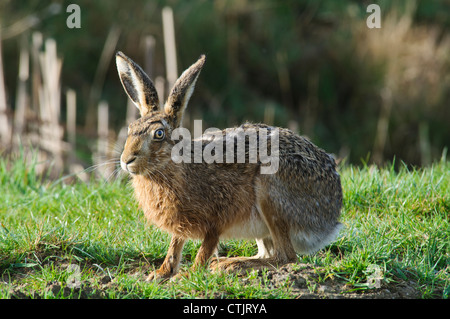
[[309, 242]]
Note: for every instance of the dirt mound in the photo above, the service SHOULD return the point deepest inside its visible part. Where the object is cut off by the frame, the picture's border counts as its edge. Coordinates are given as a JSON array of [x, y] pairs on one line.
[[306, 284]]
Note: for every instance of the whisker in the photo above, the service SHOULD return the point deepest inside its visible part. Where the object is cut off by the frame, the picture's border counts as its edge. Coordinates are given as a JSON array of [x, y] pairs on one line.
[[99, 165], [89, 170], [115, 174]]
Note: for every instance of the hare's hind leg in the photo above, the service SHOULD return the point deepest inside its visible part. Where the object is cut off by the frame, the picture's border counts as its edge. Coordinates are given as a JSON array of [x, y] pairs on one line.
[[279, 245], [273, 251], [265, 247]]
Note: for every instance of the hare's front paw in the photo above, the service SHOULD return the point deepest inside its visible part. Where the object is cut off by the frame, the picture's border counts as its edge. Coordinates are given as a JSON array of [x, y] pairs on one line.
[[180, 276], [158, 276]]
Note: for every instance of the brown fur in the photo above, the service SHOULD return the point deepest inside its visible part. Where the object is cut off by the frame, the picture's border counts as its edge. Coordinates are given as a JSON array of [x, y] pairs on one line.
[[295, 210]]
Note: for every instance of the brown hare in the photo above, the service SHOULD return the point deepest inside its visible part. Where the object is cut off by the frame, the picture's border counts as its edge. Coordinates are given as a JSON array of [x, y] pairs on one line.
[[294, 209]]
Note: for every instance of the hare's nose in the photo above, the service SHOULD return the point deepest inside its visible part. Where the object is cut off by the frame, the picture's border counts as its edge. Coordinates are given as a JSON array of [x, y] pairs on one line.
[[125, 162]]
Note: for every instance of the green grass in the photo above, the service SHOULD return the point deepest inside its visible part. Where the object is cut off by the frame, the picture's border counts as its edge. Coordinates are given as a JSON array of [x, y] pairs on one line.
[[395, 221]]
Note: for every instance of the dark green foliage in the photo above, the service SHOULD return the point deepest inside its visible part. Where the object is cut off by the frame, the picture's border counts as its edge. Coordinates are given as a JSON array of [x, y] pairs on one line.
[[302, 60]]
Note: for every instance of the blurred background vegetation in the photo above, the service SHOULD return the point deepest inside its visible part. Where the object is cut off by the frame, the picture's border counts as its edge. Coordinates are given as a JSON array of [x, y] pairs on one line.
[[311, 65]]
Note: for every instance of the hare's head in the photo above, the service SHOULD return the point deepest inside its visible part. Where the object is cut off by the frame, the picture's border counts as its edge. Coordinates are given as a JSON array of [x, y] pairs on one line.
[[148, 146]]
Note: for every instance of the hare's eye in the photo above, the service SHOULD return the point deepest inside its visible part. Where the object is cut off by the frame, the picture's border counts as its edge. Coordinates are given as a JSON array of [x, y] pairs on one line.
[[159, 134]]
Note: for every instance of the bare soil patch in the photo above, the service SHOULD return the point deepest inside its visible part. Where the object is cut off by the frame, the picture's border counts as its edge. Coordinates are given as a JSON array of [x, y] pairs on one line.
[[304, 280], [306, 285]]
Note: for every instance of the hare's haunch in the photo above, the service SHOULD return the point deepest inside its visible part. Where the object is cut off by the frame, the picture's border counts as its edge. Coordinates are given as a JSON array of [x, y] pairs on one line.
[[293, 208]]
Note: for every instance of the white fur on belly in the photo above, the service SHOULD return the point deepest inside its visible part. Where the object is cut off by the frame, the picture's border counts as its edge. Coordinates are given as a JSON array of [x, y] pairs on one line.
[[254, 227]]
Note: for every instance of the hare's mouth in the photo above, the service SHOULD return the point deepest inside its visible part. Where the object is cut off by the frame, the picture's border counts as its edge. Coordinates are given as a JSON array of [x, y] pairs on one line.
[[129, 165]]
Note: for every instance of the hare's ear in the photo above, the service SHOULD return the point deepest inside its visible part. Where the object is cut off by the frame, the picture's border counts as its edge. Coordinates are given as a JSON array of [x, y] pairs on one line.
[[181, 92], [137, 84]]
